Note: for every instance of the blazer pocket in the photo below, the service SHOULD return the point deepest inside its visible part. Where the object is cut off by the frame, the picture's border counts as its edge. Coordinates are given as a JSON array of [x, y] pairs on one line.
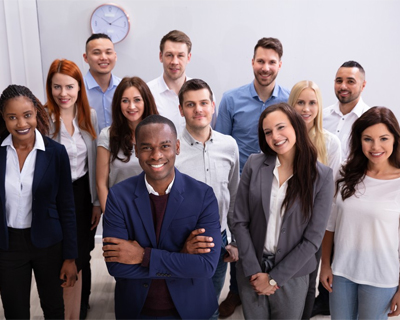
[[53, 213]]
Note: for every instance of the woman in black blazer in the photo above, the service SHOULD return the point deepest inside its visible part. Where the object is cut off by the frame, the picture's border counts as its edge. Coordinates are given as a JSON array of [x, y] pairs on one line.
[[37, 217], [281, 211]]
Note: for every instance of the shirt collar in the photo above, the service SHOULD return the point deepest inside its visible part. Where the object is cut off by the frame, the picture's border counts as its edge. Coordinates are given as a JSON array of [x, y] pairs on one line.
[[39, 142], [151, 190], [188, 137], [162, 85], [92, 83], [254, 94], [358, 110]]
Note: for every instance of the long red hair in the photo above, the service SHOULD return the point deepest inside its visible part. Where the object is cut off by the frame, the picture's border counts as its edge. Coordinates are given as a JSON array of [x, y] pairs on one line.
[[69, 68]]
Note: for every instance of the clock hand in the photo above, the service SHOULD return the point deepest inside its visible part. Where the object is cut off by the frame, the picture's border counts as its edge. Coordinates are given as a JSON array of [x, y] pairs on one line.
[[103, 19], [116, 19]]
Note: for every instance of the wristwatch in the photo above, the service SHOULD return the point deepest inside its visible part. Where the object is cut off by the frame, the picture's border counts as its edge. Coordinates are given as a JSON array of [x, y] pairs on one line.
[[271, 281]]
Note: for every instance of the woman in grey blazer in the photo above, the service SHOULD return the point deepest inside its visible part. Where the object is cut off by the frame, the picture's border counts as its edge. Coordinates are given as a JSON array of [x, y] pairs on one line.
[[74, 124], [281, 211]]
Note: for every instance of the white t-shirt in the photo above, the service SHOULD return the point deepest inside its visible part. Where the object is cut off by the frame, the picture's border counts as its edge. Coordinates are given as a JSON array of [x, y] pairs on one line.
[[119, 170], [366, 238]]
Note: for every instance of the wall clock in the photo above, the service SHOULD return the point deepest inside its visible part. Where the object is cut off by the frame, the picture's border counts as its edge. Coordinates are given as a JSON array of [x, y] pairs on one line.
[[112, 20]]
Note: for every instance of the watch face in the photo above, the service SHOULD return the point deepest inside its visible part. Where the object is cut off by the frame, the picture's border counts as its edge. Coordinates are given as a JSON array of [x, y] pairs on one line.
[[111, 20], [272, 282]]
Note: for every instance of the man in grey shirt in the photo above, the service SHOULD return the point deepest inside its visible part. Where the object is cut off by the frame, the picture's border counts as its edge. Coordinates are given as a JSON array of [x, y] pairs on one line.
[[213, 158]]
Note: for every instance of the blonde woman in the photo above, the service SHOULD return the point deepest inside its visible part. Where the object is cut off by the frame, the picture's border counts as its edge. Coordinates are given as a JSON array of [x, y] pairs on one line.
[[305, 98]]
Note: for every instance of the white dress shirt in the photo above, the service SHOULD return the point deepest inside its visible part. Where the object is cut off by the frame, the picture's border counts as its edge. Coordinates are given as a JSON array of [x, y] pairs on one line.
[[278, 194], [18, 191], [167, 102], [76, 149], [339, 124], [333, 151], [151, 190]]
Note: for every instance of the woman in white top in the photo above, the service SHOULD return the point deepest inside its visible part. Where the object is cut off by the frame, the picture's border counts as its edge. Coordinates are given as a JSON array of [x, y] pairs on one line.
[[73, 123], [37, 217], [305, 97], [116, 161], [364, 223], [280, 215]]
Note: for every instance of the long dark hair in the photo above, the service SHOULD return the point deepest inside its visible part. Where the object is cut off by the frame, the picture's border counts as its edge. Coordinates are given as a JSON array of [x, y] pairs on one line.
[[301, 185], [120, 131], [353, 172], [15, 91]]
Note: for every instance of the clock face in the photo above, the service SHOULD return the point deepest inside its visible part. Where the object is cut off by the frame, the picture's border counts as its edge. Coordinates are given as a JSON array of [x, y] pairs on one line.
[[111, 20]]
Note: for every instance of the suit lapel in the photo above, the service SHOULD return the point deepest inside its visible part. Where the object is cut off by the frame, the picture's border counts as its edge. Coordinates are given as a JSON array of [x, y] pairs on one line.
[[174, 202], [266, 174], [43, 159], [3, 161], [142, 202]]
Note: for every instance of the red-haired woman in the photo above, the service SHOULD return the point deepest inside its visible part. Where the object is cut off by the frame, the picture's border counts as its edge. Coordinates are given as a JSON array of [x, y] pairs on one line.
[[73, 123], [132, 102]]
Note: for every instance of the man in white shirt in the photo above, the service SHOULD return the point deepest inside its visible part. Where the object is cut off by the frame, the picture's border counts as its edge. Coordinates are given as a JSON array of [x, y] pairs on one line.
[[213, 158], [100, 83], [175, 54], [339, 118]]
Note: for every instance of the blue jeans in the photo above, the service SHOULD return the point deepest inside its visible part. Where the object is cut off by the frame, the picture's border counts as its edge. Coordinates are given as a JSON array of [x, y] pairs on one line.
[[219, 275], [350, 300]]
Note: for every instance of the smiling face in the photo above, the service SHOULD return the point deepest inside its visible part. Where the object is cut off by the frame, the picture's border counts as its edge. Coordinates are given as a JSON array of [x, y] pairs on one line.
[[377, 144], [65, 91], [174, 58], [156, 148], [349, 83], [197, 109], [19, 115], [100, 56], [266, 65], [132, 105], [279, 133], [307, 106]]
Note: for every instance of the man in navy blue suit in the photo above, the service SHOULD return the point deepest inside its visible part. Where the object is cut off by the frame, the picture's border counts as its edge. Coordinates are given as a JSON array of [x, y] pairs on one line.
[[148, 219]]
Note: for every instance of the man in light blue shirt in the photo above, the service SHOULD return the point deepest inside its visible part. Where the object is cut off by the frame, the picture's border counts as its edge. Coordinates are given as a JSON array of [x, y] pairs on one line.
[[100, 83], [240, 108], [238, 116]]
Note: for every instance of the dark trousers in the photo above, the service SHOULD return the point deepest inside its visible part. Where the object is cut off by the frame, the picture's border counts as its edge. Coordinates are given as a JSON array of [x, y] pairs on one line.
[[16, 265], [83, 209], [308, 307]]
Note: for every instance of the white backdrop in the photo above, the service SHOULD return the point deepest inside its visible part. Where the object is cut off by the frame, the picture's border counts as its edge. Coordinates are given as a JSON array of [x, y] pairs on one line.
[[317, 36]]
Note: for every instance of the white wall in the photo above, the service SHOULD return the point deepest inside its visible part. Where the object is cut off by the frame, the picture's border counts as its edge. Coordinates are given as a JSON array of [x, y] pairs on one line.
[[317, 36]]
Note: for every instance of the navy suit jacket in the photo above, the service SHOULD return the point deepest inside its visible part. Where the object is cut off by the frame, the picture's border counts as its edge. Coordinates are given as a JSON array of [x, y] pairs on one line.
[[53, 211], [191, 205]]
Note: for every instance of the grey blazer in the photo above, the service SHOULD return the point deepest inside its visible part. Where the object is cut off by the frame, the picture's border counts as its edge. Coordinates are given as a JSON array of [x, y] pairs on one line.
[[298, 241], [91, 145]]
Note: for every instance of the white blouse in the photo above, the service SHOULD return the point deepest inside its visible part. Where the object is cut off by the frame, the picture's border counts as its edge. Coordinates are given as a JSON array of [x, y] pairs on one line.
[[366, 238], [76, 149], [18, 191]]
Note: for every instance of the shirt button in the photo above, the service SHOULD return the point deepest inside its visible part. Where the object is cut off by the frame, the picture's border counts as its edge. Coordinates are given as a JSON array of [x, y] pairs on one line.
[[145, 285], [279, 251], [283, 230]]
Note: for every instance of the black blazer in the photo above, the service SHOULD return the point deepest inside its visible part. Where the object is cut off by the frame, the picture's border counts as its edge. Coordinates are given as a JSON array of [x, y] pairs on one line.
[[53, 210]]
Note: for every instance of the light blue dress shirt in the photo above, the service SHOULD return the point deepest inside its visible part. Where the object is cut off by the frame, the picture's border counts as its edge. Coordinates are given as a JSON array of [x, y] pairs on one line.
[[239, 113], [99, 100]]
